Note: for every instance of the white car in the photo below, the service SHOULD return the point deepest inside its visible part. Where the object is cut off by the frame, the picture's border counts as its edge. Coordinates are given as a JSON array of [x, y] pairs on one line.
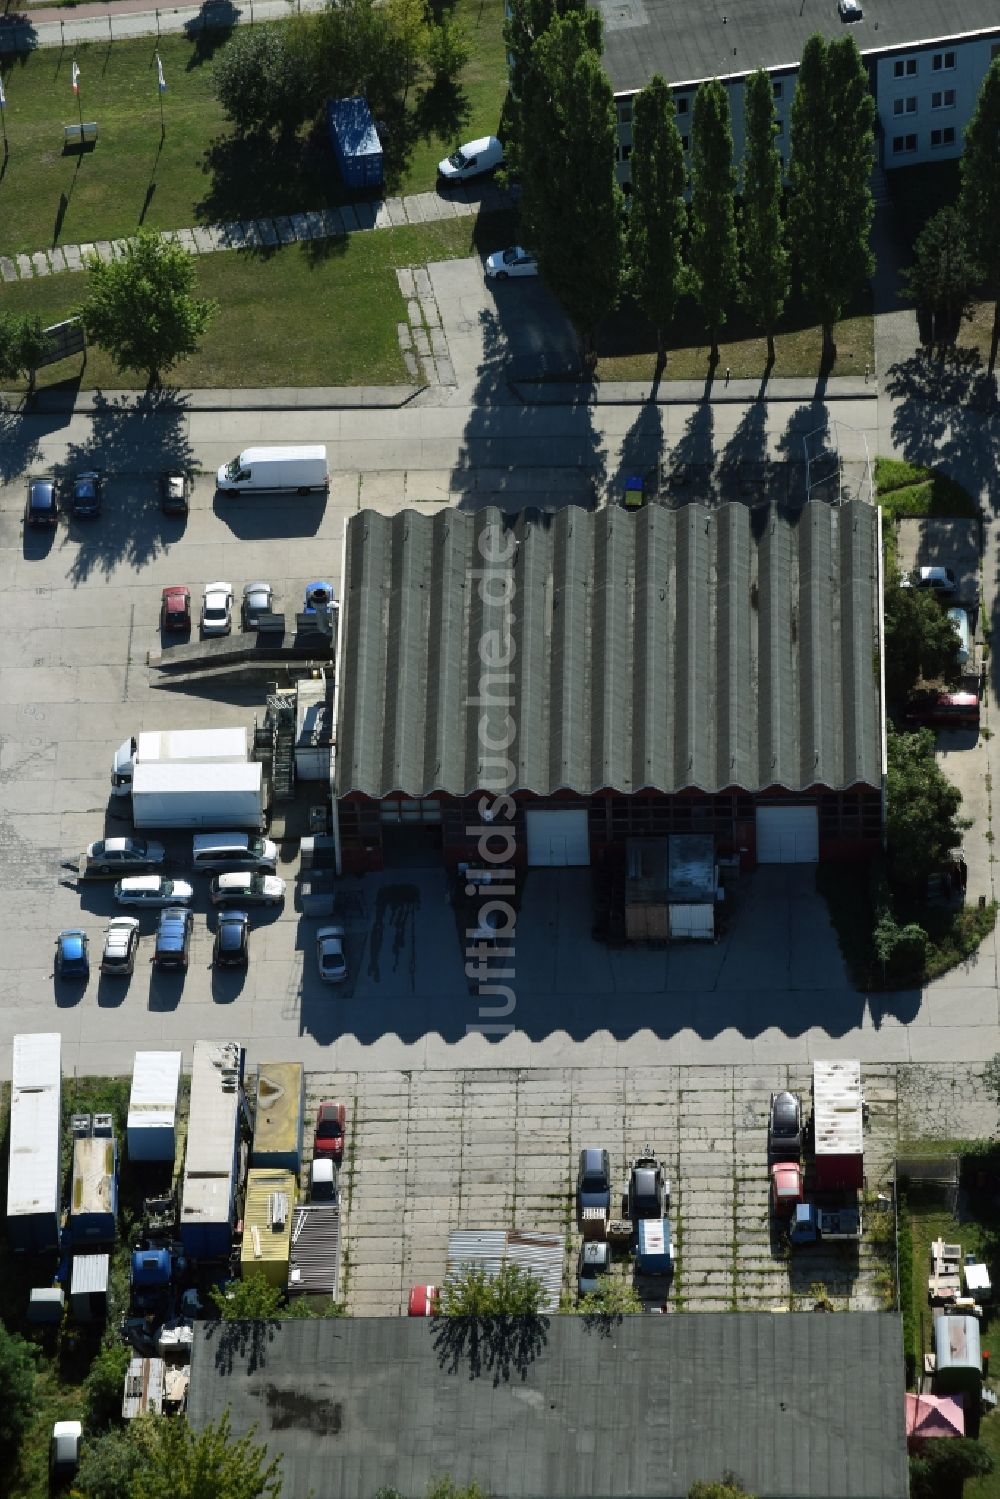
[[248, 888], [850, 10], [515, 261], [217, 609], [121, 939], [330, 958], [152, 891], [940, 580], [110, 855]]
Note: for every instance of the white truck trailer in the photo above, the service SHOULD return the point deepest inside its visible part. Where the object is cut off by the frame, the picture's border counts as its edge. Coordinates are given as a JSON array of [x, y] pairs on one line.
[[176, 746], [199, 795]]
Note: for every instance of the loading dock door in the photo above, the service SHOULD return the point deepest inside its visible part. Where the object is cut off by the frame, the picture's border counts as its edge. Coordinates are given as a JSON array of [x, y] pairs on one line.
[[557, 838], [787, 835]]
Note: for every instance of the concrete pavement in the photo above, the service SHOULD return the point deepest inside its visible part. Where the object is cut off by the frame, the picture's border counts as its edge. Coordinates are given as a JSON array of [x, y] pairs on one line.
[[53, 26]]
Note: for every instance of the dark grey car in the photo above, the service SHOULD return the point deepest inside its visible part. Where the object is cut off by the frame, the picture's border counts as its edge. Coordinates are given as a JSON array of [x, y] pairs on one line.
[[593, 1180], [784, 1127]]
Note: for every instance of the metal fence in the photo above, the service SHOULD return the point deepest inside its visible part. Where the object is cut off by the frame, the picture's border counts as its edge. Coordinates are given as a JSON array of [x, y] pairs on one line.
[[940, 1171]]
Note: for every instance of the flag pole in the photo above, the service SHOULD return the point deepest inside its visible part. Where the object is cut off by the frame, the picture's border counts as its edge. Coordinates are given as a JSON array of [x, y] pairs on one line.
[[3, 121], [79, 100], [160, 88]]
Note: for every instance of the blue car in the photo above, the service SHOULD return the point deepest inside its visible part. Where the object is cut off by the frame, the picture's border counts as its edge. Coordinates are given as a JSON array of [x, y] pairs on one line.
[[72, 955], [85, 495], [173, 938]]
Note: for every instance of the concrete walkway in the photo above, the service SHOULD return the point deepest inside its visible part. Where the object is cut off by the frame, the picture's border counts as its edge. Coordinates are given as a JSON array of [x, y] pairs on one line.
[[263, 235]]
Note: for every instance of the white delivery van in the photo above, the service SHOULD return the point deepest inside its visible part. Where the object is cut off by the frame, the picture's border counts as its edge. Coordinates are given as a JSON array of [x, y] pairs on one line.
[[960, 620], [301, 469], [476, 159]]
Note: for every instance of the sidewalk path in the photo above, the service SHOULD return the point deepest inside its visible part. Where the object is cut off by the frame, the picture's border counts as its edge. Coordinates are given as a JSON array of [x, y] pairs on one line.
[[49, 26], [268, 234]]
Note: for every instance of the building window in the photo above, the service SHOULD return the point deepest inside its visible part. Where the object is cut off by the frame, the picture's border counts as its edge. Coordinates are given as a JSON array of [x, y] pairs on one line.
[[779, 127], [940, 61], [682, 105], [944, 137], [684, 142], [903, 143], [626, 152], [905, 106], [904, 67], [624, 111], [995, 51], [943, 99], [779, 88]]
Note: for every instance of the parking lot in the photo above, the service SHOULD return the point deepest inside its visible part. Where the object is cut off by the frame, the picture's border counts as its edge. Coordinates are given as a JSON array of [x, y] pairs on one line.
[[433, 1151]]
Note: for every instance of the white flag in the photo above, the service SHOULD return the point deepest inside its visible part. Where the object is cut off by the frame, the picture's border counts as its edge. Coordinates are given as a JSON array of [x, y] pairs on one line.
[[3, 96], [159, 72], [76, 77]]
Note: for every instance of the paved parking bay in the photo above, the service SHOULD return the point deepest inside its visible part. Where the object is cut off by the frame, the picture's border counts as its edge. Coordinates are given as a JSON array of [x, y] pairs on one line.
[[438, 1150]]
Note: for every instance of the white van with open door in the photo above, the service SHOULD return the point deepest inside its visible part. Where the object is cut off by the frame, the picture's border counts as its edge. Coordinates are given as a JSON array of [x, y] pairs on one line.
[[299, 469]]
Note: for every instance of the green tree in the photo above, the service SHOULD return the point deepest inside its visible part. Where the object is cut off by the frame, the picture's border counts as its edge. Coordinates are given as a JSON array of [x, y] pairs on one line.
[[359, 50], [979, 198], [180, 1463], [262, 79], [922, 821], [446, 1488], [476, 1295], [22, 346], [525, 24], [17, 1387], [943, 1466], [448, 49], [764, 257], [572, 205], [728, 1487], [614, 1298], [252, 1299], [142, 308], [920, 641], [830, 202], [108, 1465], [713, 253], [942, 276], [657, 213], [104, 1385]]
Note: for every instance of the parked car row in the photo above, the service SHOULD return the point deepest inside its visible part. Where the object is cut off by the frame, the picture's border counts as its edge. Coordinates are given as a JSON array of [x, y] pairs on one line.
[[216, 607], [82, 496], [230, 947]]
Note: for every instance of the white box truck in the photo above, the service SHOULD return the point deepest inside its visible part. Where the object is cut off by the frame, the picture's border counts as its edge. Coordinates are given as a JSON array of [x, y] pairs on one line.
[[194, 795], [227, 746], [301, 469]]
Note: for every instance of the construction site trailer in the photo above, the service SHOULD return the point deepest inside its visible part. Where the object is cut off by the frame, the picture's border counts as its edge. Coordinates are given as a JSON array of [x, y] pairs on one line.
[[267, 1225], [838, 1122], [278, 1120], [35, 1134], [208, 1196], [151, 1130]]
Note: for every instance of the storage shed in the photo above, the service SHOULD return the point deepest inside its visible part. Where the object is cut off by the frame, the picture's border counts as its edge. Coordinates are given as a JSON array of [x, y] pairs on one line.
[[93, 1209], [152, 1108], [958, 1358], [267, 1225], [143, 1394], [88, 1287], [313, 728], [355, 142], [838, 1120], [208, 1197], [278, 1122], [33, 1188]]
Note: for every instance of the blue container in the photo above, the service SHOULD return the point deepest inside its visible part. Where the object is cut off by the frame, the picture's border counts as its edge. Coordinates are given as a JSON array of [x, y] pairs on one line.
[[355, 142]]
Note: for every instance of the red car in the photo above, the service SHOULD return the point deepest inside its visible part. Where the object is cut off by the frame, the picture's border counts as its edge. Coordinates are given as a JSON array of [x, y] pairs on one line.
[[423, 1301], [943, 710], [786, 1188], [175, 608], [330, 1121]]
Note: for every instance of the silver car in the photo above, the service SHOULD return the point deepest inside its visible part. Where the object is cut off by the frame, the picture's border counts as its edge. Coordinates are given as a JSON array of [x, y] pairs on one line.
[[257, 600], [152, 891], [217, 609], [111, 855], [330, 957], [121, 942]]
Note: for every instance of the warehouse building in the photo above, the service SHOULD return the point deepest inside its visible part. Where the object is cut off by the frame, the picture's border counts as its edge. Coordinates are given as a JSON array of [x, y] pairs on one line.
[[797, 1407], [925, 63], [538, 689]]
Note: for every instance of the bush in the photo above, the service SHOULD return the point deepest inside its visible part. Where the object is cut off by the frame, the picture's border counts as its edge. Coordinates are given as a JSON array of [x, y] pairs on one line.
[[448, 49], [943, 1466], [103, 1386], [911, 489], [17, 1387], [263, 81]]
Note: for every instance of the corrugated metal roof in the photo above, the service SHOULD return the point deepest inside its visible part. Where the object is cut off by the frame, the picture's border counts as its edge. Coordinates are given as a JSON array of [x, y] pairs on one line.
[[314, 1263], [267, 1223], [838, 1108], [541, 1254], [666, 649], [90, 1274], [799, 1406], [143, 1387], [277, 1128], [36, 1095], [155, 1081]]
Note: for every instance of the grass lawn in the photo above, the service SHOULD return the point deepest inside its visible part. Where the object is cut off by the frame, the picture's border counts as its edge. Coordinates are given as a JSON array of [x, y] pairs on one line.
[[627, 347], [909, 489], [323, 313], [199, 172]]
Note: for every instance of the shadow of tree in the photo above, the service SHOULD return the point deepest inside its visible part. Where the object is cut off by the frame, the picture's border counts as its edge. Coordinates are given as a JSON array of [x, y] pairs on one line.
[[443, 109], [692, 458], [243, 1342], [210, 29], [129, 436], [498, 1346], [19, 447], [642, 451], [946, 415]]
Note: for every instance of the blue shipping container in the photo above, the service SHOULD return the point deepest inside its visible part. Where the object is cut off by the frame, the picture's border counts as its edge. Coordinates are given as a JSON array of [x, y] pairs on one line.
[[355, 142]]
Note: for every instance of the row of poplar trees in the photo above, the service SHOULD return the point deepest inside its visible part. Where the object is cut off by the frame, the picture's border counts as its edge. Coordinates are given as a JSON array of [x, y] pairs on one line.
[[738, 239]]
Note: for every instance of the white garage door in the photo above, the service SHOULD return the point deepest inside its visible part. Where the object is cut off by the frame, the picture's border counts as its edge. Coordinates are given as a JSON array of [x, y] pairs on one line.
[[558, 837], [787, 835], [696, 922]]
